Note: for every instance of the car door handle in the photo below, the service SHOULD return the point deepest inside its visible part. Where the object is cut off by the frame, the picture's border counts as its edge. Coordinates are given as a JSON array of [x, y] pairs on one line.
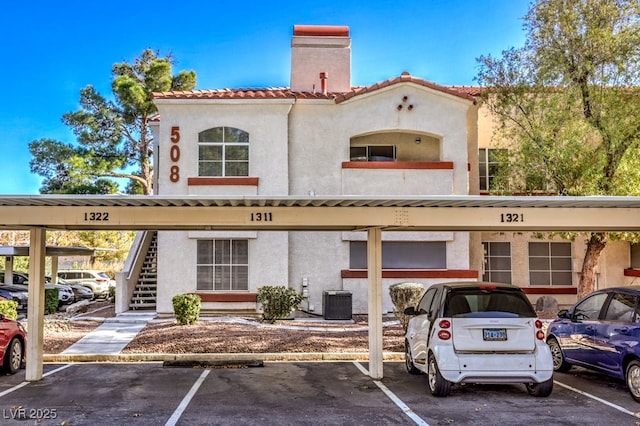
[[589, 328], [622, 329]]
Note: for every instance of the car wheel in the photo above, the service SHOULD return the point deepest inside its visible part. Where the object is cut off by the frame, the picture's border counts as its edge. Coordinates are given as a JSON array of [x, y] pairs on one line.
[[559, 363], [437, 384], [542, 389], [408, 360], [13, 356], [632, 378]]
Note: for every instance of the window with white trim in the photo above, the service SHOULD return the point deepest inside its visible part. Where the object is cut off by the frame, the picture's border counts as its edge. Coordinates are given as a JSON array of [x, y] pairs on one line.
[[497, 262], [223, 151], [223, 265], [550, 264], [488, 166], [402, 255]]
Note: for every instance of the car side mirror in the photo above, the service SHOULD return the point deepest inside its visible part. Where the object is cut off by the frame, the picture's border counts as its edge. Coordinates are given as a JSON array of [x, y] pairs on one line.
[[410, 311], [579, 317], [563, 313]]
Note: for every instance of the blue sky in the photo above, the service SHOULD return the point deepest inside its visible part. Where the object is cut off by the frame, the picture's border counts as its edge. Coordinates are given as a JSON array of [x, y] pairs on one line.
[[51, 50]]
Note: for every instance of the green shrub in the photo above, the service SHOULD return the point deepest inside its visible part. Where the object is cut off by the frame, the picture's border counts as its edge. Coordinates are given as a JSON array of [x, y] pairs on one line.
[[112, 294], [404, 295], [51, 301], [9, 308], [186, 308], [278, 302]]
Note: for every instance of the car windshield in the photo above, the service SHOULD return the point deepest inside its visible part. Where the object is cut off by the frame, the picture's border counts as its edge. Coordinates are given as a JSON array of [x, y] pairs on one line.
[[476, 302]]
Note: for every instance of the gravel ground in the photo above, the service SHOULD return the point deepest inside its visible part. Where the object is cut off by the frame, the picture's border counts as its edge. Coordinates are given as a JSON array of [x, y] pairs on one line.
[[217, 336]]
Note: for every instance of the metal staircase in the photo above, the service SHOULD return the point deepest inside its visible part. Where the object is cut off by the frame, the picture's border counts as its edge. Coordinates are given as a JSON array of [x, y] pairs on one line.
[[144, 294]]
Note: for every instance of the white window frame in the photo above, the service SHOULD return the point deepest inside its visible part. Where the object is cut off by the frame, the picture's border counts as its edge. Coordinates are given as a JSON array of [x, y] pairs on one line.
[[210, 284], [554, 260], [489, 255], [224, 145]]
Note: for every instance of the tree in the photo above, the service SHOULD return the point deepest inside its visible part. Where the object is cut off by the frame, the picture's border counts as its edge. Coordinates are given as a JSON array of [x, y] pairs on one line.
[[114, 140], [568, 105]]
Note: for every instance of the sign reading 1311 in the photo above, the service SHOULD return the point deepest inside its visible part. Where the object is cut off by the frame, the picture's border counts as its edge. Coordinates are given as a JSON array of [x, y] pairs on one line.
[[261, 217]]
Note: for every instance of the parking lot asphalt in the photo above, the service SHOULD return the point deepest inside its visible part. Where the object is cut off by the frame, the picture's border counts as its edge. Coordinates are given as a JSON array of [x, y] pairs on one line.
[[295, 393]]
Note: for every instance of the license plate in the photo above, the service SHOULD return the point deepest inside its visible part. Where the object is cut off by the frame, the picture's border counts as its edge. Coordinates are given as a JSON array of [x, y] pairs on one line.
[[494, 334]]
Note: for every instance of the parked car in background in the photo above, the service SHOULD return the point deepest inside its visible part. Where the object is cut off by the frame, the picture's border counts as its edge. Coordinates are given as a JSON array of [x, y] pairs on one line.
[[600, 332], [81, 292], [21, 279], [477, 332], [18, 277], [97, 281], [13, 345], [16, 293]]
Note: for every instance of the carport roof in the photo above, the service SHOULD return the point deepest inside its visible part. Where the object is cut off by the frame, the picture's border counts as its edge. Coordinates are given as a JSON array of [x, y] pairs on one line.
[[50, 251], [313, 201]]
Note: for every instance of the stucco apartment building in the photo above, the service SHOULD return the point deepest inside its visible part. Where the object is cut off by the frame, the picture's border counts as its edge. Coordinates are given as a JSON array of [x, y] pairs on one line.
[[322, 137]]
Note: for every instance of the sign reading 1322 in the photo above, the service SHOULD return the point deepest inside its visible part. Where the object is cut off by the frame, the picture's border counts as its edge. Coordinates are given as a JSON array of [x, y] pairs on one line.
[[96, 216]]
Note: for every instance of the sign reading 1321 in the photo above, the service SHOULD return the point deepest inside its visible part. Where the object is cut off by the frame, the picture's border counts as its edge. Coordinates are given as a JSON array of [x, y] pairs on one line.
[[511, 217]]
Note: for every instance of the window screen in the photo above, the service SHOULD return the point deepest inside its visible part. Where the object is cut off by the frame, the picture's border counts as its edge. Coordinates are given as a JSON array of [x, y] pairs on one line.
[[550, 264], [402, 255], [223, 265], [497, 262]]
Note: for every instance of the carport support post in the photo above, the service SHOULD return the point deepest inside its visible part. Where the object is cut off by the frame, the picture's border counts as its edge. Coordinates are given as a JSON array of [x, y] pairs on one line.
[[35, 311], [374, 266]]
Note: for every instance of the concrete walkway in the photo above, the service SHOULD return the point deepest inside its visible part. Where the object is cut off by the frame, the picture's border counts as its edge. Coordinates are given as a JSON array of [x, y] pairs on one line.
[[106, 342], [113, 335]]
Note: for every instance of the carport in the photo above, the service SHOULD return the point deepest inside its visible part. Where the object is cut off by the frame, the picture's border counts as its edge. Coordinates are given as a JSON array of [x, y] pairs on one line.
[[373, 215], [9, 252]]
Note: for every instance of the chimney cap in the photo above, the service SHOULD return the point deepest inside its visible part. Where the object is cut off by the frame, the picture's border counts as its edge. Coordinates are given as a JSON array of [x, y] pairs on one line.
[[321, 30]]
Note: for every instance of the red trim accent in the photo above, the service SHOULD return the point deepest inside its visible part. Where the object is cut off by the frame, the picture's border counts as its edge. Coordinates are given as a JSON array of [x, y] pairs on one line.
[[228, 297], [412, 273], [199, 181], [321, 30], [550, 290], [430, 165], [631, 272]]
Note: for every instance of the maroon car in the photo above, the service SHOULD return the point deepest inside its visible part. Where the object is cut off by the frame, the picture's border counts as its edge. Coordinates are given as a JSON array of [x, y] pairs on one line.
[[13, 345]]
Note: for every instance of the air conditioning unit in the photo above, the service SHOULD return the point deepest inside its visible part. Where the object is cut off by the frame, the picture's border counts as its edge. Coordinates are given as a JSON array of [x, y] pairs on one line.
[[336, 305]]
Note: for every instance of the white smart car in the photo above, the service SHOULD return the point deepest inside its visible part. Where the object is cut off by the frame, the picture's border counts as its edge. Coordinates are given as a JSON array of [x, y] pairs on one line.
[[477, 332]]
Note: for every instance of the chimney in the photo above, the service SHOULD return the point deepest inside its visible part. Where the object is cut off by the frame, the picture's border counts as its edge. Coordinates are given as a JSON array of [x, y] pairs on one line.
[[317, 52], [323, 82]]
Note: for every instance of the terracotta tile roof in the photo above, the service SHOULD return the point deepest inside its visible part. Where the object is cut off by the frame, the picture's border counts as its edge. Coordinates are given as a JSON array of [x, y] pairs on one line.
[[405, 77], [465, 92], [257, 93]]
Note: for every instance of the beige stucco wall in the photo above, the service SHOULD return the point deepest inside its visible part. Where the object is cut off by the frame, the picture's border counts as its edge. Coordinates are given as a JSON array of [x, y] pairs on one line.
[[297, 148], [265, 121], [268, 264]]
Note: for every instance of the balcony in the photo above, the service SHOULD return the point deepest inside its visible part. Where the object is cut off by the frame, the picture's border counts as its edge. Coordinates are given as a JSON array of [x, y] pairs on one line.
[[397, 177]]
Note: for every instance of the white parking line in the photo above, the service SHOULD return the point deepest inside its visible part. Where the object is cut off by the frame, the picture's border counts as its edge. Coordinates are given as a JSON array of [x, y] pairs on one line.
[[187, 399], [605, 402], [408, 411], [23, 384]]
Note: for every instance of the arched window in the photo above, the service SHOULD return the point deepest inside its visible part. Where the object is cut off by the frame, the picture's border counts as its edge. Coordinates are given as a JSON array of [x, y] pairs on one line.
[[223, 151]]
